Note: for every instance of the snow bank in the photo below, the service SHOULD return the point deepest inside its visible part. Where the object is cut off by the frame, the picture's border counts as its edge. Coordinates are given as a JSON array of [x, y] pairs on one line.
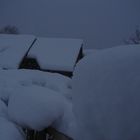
[[11, 79], [35, 107], [10, 131], [106, 94], [56, 53], [13, 48]]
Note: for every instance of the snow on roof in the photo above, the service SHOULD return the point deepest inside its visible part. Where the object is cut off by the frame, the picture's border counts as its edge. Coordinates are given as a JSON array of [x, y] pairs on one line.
[[89, 51], [13, 48], [56, 54]]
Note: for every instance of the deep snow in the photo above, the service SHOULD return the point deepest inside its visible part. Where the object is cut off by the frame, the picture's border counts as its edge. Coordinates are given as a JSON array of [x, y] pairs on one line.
[[104, 91], [37, 100], [10, 79], [106, 87]]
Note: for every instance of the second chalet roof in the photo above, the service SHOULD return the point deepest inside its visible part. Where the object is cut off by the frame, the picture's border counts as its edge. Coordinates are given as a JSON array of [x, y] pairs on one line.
[[56, 53], [13, 48]]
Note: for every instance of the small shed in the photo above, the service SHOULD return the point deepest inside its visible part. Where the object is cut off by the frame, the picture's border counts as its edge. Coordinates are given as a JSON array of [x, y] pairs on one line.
[[13, 48], [54, 55]]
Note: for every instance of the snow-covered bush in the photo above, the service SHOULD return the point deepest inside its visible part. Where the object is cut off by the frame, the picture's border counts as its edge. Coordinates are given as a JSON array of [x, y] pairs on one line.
[[106, 94], [135, 38], [35, 107], [36, 100], [9, 30]]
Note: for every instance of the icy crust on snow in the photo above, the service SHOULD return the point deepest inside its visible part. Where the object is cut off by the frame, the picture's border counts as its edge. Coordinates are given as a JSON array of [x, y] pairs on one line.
[[13, 48], [106, 94], [35, 107], [56, 53], [10, 79], [10, 131]]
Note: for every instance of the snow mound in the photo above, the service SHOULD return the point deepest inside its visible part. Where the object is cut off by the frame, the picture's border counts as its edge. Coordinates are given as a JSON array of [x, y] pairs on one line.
[[106, 94], [10, 131], [11, 79], [35, 107]]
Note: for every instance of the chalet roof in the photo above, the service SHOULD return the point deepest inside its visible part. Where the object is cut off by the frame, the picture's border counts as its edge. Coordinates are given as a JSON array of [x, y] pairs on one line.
[[13, 48], [56, 53]]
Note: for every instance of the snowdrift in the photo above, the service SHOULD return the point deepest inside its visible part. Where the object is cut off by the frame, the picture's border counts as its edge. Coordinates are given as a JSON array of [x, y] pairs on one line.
[[106, 94]]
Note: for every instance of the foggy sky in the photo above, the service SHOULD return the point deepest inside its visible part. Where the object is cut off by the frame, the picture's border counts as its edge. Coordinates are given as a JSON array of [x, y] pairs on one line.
[[101, 23]]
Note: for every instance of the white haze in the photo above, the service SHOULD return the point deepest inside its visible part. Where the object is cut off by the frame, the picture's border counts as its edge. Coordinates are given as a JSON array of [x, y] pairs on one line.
[[101, 23]]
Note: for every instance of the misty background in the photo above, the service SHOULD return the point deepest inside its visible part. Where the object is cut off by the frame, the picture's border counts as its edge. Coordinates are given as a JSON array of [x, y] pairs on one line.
[[100, 23]]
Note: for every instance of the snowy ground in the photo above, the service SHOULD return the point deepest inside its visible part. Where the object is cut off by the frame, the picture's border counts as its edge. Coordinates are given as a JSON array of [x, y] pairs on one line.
[[36, 100], [100, 102]]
